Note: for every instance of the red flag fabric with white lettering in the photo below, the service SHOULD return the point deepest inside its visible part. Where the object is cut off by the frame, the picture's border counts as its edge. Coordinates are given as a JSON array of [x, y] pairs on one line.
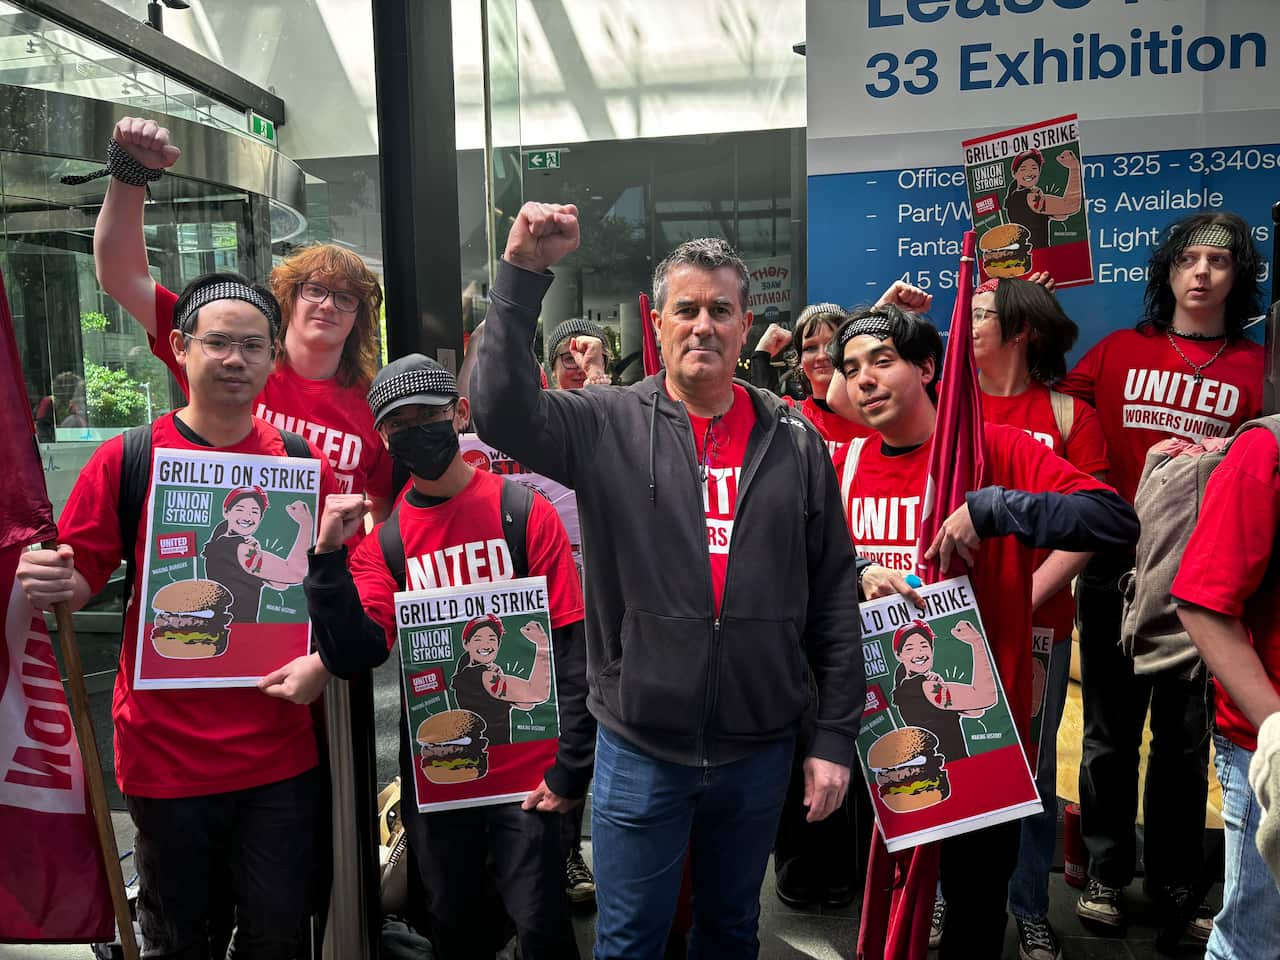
[[52, 884]]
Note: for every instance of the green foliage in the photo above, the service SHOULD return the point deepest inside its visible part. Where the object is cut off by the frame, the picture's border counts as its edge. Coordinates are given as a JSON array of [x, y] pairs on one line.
[[114, 398], [93, 321]]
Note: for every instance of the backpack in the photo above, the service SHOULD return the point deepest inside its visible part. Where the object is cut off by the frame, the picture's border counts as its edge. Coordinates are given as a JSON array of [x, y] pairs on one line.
[[135, 480], [1168, 502], [516, 503]]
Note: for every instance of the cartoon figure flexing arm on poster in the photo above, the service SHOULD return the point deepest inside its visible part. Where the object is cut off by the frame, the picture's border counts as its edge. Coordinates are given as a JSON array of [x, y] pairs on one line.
[[1026, 203], [924, 699], [480, 684], [234, 557]]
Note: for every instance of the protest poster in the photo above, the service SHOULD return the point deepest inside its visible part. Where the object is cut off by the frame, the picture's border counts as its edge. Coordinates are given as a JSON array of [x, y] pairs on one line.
[[485, 457], [938, 746], [1041, 652], [479, 682], [221, 581], [1026, 192]]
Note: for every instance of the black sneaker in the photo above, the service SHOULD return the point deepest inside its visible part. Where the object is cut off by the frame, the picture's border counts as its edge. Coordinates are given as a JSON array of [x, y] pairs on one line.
[[1036, 940], [1177, 901], [1099, 906], [938, 921], [579, 882]]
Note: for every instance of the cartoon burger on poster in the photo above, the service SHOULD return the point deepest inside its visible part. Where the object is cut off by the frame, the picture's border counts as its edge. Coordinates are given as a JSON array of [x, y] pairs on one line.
[[909, 770], [1006, 250], [454, 747], [192, 620]]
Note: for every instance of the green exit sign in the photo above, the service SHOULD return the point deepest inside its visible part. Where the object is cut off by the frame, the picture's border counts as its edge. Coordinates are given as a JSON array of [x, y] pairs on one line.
[[262, 128], [542, 160]]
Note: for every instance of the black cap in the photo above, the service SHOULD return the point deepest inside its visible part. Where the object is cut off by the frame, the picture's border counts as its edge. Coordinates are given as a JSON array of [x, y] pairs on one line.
[[414, 379]]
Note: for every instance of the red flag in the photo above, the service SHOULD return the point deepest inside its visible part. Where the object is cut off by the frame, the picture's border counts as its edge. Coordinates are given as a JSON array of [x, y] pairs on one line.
[[25, 514], [898, 900], [648, 338], [52, 884], [955, 462]]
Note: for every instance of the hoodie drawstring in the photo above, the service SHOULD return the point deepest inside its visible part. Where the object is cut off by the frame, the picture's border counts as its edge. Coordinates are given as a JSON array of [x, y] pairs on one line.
[[653, 446]]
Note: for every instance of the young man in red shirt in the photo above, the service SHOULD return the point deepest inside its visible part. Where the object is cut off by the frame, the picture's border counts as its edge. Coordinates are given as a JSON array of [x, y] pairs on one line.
[[1187, 371], [452, 532], [1232, 612], [1031, 500], [327, 345], [219, 783]]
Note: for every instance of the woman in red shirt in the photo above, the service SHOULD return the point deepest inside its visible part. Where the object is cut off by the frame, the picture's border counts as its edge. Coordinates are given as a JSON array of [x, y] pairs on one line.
[[327, 345], [1021, 336]]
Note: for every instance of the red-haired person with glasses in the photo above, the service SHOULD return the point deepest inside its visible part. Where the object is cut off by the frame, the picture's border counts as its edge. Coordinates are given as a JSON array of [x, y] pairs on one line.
[[326, 349]]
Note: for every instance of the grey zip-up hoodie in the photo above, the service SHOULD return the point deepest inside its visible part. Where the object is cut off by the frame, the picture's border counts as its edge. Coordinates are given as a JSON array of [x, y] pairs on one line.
[[664, 670]]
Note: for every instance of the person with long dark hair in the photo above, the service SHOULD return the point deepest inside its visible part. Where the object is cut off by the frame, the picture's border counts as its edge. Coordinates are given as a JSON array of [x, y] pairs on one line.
[[1186, 371]]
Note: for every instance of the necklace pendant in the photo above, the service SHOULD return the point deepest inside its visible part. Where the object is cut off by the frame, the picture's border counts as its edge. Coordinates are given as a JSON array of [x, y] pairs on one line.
[[1198, 378]]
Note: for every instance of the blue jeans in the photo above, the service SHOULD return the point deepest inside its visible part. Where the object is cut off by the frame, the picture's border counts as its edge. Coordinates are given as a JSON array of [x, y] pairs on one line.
[[1029, 886], [1246, 926], [646, 813]]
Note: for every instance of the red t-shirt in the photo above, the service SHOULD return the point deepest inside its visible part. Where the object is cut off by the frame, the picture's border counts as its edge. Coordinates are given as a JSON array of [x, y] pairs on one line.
[[1227, 558], [182, 743], [461, 541], [884, 508], [1084, 448], [1144, 392], [728, 451], [335, 418], [833, 428]]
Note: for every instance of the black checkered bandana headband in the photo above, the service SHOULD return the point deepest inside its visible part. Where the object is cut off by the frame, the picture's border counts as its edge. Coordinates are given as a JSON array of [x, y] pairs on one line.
[[412, 383], [226, 290], [1210, 235], [875, 325]]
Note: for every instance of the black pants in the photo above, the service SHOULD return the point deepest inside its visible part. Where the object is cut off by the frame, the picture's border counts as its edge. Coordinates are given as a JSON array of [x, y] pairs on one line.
[[260, 840], [571, 830], [452, 851], [831, 853], [1115, 706], [975, 871]]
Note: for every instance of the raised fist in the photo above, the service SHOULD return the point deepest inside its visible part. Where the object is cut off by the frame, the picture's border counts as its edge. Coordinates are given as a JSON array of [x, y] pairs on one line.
[[299, 513], [543, 234], [533, 632], [774, 340], [147, 142], [907, 297]]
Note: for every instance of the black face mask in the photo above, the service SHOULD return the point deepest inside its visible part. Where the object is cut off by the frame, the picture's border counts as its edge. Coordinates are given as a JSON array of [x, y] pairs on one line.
[[426, 449]]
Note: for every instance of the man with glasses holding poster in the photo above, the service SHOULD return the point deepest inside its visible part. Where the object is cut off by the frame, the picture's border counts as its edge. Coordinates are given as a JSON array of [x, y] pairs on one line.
[[218, 782]]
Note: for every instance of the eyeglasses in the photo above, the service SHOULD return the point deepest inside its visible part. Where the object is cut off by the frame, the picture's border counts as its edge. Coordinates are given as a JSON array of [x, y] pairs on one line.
[[395, 422], [343, 300], [218, 346], [567, 361], [982, 313], [1216, 261]]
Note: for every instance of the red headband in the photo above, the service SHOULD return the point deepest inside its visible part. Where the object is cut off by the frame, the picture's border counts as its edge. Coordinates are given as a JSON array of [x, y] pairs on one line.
[[989, 286], [238, 492], [488, 620], [909, 628]]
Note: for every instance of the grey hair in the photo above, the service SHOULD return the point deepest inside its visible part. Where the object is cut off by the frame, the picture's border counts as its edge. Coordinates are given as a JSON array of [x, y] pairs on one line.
[[705, 253]]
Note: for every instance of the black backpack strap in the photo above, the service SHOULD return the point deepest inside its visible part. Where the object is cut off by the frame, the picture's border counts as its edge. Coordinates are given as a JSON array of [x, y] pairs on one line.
[[135, 477], [392, 545], [295, 445], [517, 502]]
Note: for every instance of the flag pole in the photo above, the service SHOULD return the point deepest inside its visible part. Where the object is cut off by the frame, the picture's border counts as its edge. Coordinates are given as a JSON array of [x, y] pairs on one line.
[[94, 782]]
